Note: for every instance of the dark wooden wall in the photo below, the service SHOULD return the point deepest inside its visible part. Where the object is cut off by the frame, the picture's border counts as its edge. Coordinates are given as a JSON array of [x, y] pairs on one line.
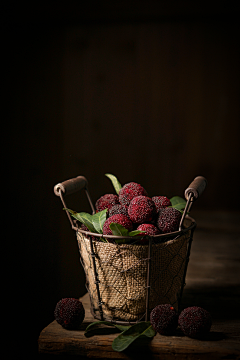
[[149, 94], [154, 103]]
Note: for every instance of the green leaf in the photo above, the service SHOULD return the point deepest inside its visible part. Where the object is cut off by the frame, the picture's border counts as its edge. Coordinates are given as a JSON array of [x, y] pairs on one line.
[[116, 184], [122, 341], [136, 232], [99, 219], [118, 230], [94, 329], [178, 202], [84, 218]]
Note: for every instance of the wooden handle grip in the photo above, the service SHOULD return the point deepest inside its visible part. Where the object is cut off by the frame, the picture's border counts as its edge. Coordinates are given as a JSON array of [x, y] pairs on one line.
[[71, 186], [196, 187]]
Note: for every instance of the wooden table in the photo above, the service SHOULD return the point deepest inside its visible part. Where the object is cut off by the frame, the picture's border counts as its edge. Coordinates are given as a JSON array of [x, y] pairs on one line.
[[213, 282]]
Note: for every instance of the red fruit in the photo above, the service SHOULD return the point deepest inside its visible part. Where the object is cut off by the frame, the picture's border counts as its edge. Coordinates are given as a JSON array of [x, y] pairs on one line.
[[118, 219], [118, 209], [164, 319], [106, 202], [141, 209], [149, 229], [195, 322], [130, 191], [169, 220], [161, 202], [69, 313]]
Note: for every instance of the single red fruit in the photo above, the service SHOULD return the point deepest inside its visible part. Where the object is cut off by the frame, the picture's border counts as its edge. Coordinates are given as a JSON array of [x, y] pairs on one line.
[[161, 202], [169, 220], [141, 210], [164, 319], [118, 209], [69, 313], [195, 322], [130, 191], [118, 219], [106, 202], [149, 229]]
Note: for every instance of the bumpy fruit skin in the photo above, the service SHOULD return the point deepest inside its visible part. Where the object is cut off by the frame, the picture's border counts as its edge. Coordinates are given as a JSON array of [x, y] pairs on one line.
[[161, 202], [141, 209], [164, 319], [169, 220], [195, 322], [119, 219], [69, 313], [106, 202], [118, 209], [130, 191], [149, 229]]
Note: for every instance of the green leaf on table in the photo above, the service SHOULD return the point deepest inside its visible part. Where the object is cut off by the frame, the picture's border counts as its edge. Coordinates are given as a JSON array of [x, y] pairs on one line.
[[96, 328], [178, 202], [84, 218], [122, 341], [116, 184], [99, 219]]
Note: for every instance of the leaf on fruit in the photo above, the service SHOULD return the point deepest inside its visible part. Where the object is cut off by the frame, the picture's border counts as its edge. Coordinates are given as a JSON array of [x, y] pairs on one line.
[[122, 341], [178, 202], [116, 184], [99, 219], [96, 328], [118, 230]]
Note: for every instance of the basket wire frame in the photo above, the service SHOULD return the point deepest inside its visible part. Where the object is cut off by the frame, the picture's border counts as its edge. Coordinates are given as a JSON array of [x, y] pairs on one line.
[[92, 272], [148, 288]]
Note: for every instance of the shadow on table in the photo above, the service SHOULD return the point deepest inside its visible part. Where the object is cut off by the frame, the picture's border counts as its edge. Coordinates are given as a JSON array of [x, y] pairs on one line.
[[223, 303]]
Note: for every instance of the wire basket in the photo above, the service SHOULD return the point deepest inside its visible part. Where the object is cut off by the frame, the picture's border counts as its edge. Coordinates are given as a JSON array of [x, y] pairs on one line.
[[126, 281]]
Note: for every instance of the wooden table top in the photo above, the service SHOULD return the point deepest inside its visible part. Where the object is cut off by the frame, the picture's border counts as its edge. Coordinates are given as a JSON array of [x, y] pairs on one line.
[[212, 282]]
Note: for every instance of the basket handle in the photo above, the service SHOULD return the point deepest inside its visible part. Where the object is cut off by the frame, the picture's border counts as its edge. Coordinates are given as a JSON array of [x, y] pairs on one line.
[[194, 190], [196, 187], [71, 186]]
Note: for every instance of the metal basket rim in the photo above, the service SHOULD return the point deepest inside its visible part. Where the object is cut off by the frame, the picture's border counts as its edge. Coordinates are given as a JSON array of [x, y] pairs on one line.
[[175, 233]]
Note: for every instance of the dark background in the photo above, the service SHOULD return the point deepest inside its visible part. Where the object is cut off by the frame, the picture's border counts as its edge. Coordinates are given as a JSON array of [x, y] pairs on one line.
[[147, 91]]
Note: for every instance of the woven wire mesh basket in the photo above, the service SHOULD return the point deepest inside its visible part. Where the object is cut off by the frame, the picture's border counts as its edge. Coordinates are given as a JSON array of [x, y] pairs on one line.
[[126, 281]]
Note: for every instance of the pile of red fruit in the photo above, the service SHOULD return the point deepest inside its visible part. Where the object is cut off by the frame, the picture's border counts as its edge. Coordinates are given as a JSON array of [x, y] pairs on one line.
[[135, 210]]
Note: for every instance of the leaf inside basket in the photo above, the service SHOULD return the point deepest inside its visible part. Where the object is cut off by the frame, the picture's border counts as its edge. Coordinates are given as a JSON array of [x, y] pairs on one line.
[[116, 184], [99, 219], [94, 222], [119, 230], [84, 218], [178, 202]]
